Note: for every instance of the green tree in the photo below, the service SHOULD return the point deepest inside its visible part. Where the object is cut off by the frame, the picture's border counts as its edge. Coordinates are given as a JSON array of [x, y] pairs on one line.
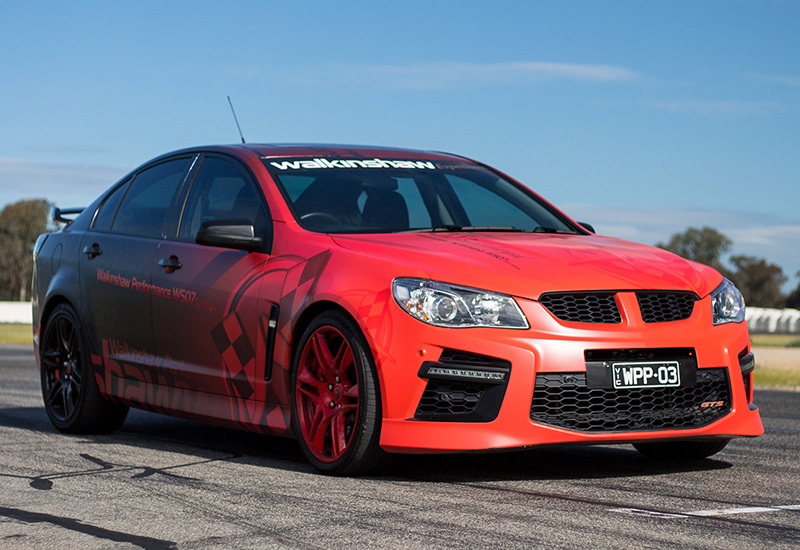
[[793, 300], [20, 224], [705, 246], [759, 281]]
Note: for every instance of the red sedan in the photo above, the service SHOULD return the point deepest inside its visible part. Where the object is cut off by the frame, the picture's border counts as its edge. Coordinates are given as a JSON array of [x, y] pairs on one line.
[[373, 300]]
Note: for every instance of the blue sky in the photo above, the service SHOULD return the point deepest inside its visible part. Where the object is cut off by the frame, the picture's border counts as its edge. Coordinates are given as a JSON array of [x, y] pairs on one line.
[[643, 118]]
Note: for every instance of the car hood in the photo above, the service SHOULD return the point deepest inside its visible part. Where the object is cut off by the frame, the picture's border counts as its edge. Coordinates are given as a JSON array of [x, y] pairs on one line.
[[527, 265]]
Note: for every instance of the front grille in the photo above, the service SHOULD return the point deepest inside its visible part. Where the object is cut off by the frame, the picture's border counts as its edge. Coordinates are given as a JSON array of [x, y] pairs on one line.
[[661, 307], [582, 307], [564, 401], [656, 306]]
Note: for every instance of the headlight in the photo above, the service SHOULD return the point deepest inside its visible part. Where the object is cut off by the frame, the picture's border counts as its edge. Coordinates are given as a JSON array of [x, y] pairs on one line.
[[727, 304], [446, 305]]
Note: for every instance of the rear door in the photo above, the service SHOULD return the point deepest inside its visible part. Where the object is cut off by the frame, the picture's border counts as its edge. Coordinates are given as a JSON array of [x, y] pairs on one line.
[[115, 269]]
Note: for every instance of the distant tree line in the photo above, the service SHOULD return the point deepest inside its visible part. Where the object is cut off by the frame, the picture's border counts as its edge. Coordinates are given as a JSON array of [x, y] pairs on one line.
[[20, 224], [759, 281]]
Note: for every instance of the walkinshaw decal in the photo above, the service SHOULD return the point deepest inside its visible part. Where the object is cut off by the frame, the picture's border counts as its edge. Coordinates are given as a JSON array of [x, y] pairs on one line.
[[155, 383], [155, 387], [322, 163]]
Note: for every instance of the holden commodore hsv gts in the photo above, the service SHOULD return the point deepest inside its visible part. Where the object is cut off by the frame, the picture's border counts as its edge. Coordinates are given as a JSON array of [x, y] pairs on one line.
[[370, 301]]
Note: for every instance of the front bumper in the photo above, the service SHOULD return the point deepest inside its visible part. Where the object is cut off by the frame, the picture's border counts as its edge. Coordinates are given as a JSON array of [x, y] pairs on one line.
[[555, 348]]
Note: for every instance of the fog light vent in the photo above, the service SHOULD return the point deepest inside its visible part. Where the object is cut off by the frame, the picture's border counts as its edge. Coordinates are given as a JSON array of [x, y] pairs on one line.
[[463, 387]]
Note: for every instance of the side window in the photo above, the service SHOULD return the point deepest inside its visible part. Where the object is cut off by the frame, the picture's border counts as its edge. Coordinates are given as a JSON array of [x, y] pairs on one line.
[[107, 211], [144, 209], [222, 190]]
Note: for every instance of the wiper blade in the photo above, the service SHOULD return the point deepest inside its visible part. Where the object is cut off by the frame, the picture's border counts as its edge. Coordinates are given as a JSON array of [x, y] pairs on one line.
[[451, 228], [543, 229], [473, 228]]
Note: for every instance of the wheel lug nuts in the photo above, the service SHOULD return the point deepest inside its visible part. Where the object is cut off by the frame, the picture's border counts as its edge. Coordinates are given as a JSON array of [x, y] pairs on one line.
[[330, 387], [332, 404]]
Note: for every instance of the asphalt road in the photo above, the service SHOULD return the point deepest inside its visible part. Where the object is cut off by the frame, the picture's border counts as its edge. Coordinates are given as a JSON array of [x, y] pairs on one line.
[[161, 482]]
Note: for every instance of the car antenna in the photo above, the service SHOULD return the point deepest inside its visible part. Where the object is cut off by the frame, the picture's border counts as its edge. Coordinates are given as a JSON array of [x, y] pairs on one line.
[[236, 120]]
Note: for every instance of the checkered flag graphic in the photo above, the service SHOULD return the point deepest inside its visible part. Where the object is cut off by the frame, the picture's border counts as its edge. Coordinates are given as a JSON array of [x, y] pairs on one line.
[[237, 354]]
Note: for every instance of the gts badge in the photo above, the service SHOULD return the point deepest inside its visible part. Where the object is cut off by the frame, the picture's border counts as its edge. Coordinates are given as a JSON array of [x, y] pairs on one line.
[[712, 404]]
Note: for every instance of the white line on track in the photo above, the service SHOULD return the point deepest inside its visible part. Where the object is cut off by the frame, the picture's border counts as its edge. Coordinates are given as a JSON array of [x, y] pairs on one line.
[[706, 513]]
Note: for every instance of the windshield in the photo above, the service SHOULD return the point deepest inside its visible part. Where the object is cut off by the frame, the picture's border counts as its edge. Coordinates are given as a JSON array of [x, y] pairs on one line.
[[330, 195]]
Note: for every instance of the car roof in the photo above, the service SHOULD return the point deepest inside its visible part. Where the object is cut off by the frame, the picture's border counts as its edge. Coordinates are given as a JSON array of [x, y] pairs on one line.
[[324, 150]]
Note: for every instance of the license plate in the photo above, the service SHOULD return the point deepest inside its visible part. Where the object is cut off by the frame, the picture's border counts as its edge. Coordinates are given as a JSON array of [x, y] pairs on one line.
[[654, 374]]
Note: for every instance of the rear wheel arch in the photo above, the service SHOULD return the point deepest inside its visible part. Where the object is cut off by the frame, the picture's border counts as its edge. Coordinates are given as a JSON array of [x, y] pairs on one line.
[[70, 390], [47, 311]]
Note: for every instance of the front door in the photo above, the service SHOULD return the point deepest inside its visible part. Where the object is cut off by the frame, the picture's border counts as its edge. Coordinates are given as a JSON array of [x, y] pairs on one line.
[[210, 327]]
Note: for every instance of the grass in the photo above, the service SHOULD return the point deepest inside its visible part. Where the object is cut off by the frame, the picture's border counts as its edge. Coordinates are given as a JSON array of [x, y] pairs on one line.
[[775, 340], [765, 377], [15, 333]]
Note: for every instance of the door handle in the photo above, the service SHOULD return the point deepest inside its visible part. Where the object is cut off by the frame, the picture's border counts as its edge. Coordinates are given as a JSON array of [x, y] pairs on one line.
[[92, 251], [170, 264]]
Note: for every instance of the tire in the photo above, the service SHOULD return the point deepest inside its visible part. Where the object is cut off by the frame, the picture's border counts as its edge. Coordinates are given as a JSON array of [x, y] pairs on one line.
[[69, 388], [681, 450], [335, 399]]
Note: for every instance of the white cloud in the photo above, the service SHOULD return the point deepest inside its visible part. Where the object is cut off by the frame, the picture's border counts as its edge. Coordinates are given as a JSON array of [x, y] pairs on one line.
[[449, 75], [786, 79], [63, 184]]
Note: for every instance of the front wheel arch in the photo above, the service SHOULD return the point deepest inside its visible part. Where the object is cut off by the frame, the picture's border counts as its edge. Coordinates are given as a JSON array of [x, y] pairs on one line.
[[301, 324], [335, 396]]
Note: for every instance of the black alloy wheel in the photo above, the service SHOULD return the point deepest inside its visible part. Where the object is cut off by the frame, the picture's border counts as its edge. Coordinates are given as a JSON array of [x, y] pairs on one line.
[[71, 396]]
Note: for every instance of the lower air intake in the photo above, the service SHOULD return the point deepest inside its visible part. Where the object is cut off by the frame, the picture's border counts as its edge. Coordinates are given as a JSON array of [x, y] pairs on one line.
[[463, 387], [444, 397], [564, 401]]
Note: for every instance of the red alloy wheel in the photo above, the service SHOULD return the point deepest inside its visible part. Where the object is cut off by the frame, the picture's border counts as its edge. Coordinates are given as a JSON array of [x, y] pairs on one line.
[[327, 394]]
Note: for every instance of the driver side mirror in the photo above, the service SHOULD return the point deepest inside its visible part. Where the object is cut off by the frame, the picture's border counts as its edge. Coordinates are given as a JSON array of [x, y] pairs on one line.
[[238, 234], [587, 226]]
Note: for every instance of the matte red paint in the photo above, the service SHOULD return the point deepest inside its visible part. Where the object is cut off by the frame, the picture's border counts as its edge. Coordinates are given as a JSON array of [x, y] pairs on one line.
[[224, 353]]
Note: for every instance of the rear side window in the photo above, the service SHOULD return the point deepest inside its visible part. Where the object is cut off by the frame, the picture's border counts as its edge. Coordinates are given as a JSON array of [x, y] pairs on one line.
[[144, 208], [105, 216]]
